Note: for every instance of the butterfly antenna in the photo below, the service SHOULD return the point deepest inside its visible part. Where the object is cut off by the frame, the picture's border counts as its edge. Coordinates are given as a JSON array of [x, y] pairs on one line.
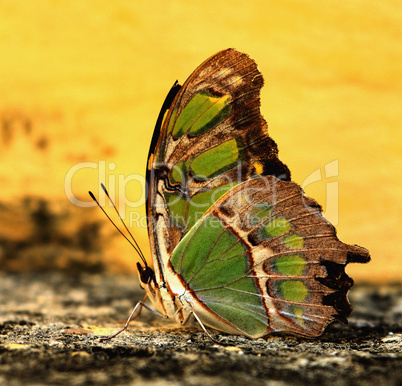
[[135, 245], [125, 226]]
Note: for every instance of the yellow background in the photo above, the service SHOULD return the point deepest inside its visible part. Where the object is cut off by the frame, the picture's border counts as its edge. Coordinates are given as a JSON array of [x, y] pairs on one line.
[[89, 77]]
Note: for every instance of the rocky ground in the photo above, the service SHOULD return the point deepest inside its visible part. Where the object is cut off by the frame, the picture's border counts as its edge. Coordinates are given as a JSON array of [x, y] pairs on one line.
[[50, 325]]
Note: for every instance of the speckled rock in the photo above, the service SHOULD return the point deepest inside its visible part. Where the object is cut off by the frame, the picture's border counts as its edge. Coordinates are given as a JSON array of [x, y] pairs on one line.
[[50, 325]]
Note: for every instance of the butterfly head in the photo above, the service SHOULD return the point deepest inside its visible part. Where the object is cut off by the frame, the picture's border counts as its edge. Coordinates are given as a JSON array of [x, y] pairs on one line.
[[146, 274], [149, 284]]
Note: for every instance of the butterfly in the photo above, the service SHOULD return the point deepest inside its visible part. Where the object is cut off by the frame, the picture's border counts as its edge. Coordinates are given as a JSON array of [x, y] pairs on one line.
[[236, 245]]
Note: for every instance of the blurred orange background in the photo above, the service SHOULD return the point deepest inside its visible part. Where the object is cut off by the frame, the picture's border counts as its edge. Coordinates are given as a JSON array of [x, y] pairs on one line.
[[84, 82]]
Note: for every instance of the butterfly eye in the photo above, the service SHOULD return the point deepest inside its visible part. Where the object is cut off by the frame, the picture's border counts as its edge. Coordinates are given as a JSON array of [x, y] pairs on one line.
[[146, 274]]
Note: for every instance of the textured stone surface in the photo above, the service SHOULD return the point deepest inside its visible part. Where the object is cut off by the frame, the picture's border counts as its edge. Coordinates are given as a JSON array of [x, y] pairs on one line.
[[50, 326]]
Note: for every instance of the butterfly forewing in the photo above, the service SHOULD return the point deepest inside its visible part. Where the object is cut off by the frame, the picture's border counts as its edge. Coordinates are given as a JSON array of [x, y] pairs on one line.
[[212, 138]]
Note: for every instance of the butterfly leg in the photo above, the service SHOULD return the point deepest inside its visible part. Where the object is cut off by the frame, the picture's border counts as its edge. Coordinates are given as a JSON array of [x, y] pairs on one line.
[[138, 307], [204, 328]]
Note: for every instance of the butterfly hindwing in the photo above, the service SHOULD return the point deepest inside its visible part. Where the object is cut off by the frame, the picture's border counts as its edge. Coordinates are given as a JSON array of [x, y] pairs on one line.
[[262, 259]]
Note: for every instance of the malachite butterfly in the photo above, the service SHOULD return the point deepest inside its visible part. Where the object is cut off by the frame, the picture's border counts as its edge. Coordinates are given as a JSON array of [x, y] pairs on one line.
[[235, 244]]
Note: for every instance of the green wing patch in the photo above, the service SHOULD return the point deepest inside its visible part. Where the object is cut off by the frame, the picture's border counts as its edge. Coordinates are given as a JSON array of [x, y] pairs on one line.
[[214, 264], [200, 114]]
